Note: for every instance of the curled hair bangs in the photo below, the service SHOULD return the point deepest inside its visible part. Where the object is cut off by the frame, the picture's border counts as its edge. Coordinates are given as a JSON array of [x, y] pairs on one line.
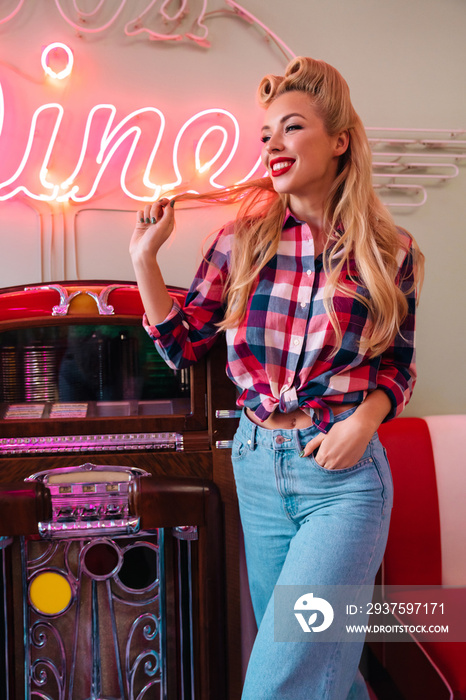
[[326, 87]]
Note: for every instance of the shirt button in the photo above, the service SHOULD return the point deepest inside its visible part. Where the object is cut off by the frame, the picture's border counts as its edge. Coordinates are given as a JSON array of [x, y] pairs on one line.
[[303, 304], [289, 380], [308, 273], [295, 341]]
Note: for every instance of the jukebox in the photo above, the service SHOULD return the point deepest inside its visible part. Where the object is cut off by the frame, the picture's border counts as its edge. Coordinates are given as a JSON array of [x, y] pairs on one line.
[[118, 519]]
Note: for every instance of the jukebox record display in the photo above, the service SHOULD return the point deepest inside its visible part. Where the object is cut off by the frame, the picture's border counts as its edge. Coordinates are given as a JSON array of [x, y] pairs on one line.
[[40, 372], [11, 374], [83, 370]]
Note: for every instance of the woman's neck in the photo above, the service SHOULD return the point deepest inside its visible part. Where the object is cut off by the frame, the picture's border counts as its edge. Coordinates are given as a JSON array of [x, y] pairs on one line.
[[313, 217]]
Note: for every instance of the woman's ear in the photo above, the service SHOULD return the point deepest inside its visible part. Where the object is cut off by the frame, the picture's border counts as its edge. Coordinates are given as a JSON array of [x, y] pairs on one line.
[[342, 142]]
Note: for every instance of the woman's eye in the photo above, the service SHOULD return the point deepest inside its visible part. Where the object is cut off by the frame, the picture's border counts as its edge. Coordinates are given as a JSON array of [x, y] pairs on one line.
[[264, 139], [292, 127]]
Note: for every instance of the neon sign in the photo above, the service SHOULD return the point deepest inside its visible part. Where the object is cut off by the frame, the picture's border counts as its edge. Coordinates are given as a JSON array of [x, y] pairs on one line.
[[204, 147], [104, 141]]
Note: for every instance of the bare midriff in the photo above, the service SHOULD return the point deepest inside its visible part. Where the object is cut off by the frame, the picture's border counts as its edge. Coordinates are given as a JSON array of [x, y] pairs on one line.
[[296, 419]]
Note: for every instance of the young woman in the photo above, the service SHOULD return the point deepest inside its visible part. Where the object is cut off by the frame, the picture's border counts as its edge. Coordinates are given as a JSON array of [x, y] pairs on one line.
[[315, 289]]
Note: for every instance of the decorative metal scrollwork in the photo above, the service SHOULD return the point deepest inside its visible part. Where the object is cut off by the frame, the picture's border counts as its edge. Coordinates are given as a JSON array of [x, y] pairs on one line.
[[62, 308], [42, 635], [114, 609]]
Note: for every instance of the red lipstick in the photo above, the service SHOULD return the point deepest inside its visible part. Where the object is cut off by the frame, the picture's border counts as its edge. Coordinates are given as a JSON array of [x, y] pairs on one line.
[[283, 168]]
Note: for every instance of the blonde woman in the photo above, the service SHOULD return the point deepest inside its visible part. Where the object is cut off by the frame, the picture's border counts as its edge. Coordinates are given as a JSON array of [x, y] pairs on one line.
[[315, 289]]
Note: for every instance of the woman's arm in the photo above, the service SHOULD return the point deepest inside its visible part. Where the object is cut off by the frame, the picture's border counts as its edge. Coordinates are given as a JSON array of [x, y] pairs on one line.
[[154, 226], [397, 370], [346, 441], [182, 333]]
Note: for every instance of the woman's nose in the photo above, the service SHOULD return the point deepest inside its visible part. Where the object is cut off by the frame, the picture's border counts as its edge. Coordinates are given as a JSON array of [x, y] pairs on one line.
[[274, 143]]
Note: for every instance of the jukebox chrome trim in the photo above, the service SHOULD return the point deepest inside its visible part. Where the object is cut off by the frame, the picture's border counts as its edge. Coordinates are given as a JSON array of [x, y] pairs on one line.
[[89, 500], [91, 443], [224, 444]]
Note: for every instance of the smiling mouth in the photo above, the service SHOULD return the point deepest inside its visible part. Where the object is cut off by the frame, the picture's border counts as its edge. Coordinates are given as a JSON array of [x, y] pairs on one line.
[[281, 167]]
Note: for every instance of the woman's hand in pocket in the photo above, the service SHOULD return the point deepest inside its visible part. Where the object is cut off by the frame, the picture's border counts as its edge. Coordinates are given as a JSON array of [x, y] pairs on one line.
[[346, 441], [343, 445]]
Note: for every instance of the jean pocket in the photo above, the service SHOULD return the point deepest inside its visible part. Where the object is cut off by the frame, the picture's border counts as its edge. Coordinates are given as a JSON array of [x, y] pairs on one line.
[[365, 461], [239, 449], [346, 470]]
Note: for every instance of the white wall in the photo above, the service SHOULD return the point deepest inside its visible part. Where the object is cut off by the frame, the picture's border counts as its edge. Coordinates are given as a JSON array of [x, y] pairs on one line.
[[404, 62]]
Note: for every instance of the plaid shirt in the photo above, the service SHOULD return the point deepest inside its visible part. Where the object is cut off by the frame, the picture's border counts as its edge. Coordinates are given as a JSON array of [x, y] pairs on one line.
[[279, 357]]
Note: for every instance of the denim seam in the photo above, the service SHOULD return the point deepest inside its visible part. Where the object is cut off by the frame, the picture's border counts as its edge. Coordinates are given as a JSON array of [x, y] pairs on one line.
[[280, 479], [330, 680], [238, 451], [379, 472], [381, 519]]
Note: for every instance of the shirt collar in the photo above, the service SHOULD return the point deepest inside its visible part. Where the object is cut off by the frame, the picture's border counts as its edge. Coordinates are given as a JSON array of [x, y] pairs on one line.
[[291, 220]]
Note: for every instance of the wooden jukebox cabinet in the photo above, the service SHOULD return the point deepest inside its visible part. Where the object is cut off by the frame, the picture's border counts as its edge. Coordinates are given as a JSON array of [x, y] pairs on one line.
[[118, 519]]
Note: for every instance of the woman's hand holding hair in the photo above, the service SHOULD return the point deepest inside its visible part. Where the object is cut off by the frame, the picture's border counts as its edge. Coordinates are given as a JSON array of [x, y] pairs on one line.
[[346, 441], [153, 227]]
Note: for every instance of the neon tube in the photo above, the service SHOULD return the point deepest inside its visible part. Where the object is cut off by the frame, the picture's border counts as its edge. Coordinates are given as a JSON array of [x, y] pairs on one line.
[[203, 168], [179, 179], [12, 14], [43, 170], [81, 27], [109, 134], [69, 66]]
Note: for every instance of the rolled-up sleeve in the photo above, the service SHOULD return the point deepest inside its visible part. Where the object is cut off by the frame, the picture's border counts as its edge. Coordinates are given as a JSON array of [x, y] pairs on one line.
[[397, 371], [190, 330]]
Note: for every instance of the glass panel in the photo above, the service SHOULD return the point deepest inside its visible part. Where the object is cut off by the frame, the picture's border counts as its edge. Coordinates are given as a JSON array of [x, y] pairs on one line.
[[71, 371]]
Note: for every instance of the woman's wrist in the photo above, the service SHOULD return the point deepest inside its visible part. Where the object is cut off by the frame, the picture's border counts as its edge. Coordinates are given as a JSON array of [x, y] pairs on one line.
[[373, 410], [144, 262]]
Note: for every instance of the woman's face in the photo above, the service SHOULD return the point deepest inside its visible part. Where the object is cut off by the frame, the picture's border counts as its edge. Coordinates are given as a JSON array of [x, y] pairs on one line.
[[299, 154]]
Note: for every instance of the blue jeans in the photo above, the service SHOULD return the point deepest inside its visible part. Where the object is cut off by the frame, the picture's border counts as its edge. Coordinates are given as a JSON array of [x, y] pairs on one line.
[[305, 525]]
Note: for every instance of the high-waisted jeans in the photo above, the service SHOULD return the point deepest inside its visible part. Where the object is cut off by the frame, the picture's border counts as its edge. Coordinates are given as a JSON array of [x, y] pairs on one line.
[[306, 525]]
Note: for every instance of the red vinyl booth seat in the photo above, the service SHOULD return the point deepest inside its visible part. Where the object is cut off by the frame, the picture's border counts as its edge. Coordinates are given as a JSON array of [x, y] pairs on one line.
[[419, 548]]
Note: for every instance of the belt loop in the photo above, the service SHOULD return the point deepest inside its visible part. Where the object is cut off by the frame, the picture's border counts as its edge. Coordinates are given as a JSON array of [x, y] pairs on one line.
[[252, 436], [249, 430]]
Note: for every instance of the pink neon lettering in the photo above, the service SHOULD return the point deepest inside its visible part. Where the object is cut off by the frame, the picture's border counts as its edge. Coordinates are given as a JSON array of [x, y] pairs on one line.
[[204, 147], [37, 166]]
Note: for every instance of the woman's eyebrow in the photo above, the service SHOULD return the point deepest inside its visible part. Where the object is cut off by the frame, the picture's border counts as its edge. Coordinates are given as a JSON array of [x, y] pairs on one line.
[[283, 119]]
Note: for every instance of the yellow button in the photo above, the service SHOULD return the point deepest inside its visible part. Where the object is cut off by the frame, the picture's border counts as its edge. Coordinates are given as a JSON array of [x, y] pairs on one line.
[[50, 593]]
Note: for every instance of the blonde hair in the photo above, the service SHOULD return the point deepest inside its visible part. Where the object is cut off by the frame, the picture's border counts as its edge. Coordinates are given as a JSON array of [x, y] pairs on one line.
[[359, 226]]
